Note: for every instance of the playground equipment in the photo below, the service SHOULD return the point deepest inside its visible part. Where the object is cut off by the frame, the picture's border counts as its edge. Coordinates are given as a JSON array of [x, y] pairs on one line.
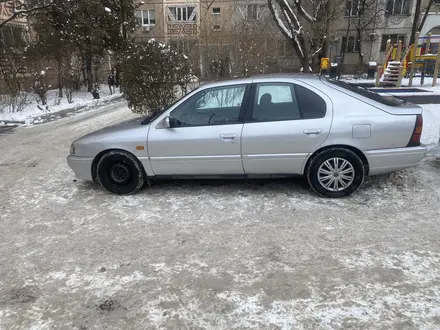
[[424, 54]]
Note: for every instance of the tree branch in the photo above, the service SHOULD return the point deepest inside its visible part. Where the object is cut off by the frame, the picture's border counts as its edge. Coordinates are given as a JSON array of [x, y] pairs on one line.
[[303, 12], [21, 10]]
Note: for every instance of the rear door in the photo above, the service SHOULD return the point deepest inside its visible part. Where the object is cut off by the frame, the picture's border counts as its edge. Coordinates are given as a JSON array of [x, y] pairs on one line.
[[286, 122]]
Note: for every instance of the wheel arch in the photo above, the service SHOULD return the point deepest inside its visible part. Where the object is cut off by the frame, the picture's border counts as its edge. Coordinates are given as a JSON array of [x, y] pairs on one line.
[[98, 157], [358, 153]]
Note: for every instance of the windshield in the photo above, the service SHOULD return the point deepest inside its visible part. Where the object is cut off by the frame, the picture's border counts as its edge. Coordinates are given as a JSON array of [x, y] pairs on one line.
[[384, 99]]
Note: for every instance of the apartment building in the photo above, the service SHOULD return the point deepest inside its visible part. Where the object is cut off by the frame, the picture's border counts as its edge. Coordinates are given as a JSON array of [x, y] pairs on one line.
[[234, 37], [382, 20], [224, 37]]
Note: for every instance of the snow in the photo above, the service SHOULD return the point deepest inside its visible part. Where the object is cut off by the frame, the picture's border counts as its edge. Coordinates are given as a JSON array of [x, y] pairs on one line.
[[431, 125], [34, 110], [239, 254]]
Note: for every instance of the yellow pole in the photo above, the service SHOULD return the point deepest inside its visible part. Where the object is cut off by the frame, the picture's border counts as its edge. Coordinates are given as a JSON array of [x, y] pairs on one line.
[[388, 46], [436, 68], [399, 80], [378, 75], [399, 50], [428, 44], [413, 59]]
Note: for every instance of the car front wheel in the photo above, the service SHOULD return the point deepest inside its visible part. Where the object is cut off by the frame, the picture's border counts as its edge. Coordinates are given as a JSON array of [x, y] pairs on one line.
[[120, 173], [336, 172]]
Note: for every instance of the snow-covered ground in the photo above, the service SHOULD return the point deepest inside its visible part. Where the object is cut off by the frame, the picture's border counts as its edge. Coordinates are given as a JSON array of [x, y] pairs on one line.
[[194, 254], [416, 84], [34, 111], [431, 125]]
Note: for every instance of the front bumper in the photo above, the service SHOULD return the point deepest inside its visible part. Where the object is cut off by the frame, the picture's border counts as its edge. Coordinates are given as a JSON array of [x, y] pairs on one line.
[[81, 166], [390, 160]]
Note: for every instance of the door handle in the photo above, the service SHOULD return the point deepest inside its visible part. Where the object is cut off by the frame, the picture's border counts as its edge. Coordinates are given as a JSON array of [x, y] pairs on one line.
[[316, 131], [228, 137]]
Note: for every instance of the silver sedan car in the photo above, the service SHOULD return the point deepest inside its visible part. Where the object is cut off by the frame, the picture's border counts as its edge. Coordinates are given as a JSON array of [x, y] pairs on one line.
[[331, 132]]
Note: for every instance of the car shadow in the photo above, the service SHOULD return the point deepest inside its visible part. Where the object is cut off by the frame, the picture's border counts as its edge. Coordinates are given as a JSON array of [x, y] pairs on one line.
[[297, 184]]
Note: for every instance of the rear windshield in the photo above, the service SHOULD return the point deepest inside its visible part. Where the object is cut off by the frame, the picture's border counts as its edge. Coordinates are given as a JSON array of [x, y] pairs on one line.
[[384, 99]]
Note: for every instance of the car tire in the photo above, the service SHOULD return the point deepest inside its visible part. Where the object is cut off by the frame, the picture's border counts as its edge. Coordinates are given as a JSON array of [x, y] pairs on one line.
[[335, 164], [120, 173]]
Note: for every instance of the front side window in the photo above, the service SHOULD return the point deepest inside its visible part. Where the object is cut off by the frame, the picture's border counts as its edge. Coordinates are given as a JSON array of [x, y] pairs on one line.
[[216, 106]]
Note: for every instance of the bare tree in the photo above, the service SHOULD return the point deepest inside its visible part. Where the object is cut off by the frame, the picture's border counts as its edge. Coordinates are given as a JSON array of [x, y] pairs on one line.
[[22, 8], [361, 15], [305, 26]]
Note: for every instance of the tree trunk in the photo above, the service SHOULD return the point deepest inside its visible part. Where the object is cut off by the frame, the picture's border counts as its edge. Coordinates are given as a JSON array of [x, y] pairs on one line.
[[415, 22], [425, 15], [60, 79], [347, 32], [359, 47], [89, 74]]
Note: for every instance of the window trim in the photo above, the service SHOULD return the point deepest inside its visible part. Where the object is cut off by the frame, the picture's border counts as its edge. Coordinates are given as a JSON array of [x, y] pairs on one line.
[[346, 50], [390, 37], [183, 8], [257, 12], [393, 11], [148, 15], [292, 85], [243, 108]]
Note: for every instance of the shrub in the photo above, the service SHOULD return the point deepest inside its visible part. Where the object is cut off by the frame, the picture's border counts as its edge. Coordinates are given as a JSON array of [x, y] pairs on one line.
[[149, 74]]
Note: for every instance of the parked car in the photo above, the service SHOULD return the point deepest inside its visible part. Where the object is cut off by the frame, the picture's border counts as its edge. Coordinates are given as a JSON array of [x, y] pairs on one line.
[[333, 133]]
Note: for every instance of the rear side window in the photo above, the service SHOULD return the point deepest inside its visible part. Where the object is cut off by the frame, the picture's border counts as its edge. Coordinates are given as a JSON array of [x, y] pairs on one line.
[[282, 102], [311, 105], [275, 102]]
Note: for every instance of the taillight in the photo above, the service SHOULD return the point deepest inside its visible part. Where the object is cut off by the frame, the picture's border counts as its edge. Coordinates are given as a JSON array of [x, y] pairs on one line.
[[417, 134]]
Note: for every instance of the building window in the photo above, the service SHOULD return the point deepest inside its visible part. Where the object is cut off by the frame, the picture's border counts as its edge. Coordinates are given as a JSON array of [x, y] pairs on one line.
[[216, 11], [398, 7], [349, 46], [216, 27], [146, 17], [352, 7], [181, 14], [285, 49], [394, 40], [253, 12]]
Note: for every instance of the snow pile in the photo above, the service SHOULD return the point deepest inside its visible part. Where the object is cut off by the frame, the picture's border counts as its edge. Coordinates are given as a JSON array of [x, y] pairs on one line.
[[34, 109], [431, 125]]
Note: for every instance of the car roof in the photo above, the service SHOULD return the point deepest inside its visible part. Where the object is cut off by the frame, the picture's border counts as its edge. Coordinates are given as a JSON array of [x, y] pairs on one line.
[[309, 78]]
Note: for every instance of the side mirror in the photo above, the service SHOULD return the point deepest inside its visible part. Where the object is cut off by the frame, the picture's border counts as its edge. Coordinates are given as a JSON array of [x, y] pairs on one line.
[[166, 122]]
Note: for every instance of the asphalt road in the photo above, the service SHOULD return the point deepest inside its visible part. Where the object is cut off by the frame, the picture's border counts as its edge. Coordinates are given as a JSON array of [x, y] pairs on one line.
[[209, 254]]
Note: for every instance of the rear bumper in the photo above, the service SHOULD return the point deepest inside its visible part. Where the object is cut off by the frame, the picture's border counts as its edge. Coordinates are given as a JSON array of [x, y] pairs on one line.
[[390, 160], [81, 166]]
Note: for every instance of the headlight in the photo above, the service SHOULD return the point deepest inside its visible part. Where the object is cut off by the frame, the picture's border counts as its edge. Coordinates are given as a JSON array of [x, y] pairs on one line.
[[72, 149]]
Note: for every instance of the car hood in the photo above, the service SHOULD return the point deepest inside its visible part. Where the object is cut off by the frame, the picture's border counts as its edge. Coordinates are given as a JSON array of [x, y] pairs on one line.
[[123, 126]]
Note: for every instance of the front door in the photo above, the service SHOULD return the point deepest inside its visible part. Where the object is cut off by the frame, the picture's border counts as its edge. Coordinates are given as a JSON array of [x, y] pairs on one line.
[[286, 123], [205, 135]]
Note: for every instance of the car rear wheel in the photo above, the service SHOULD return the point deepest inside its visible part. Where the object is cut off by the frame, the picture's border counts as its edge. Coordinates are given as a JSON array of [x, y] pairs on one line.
[[120, 173], [336, 172]]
